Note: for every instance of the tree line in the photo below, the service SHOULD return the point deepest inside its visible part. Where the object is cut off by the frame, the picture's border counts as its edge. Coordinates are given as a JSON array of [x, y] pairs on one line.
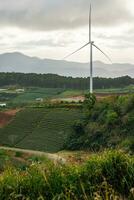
[[56, 81]]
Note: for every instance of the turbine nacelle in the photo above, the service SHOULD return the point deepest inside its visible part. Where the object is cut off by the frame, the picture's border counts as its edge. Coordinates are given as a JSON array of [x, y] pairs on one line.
[[92, 44]]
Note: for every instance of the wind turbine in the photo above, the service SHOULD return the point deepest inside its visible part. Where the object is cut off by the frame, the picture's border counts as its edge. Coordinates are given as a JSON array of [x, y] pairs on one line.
[[91, 43]]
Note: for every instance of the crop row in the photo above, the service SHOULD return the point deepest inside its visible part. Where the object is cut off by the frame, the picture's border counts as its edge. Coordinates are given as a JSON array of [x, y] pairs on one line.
[[40, 129]]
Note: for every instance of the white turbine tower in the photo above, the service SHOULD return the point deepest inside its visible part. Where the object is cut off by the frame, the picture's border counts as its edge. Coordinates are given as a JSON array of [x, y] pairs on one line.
[[91, 43]]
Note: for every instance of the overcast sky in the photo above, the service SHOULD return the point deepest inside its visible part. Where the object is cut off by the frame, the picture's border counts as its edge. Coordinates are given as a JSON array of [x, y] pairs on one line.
[[54, 28]]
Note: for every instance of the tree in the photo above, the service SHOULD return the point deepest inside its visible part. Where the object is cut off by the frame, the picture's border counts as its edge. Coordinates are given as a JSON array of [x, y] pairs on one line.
[[89, 101]]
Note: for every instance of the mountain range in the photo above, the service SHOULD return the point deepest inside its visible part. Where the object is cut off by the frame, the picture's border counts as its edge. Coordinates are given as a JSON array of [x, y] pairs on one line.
[[18, 62]]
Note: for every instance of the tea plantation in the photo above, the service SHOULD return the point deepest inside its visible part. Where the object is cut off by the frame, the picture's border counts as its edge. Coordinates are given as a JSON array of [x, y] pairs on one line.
[[40, 128]]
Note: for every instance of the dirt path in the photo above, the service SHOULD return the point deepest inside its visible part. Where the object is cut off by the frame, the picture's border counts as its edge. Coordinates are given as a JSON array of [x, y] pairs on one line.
[[54, 157]]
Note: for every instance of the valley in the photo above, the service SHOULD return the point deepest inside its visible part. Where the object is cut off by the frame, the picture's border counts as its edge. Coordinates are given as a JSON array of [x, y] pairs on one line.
[[58, 143]]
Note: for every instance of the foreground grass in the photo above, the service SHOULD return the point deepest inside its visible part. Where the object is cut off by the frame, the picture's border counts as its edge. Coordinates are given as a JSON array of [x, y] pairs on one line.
[[108, 175]]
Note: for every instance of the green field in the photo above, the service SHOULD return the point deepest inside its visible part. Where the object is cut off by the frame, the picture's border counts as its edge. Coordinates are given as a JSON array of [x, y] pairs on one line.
[[14, 98], [40, 129], [31, 94]]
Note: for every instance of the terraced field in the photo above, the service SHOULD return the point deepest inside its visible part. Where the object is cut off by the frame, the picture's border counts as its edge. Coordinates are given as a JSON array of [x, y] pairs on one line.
[[40, 129]]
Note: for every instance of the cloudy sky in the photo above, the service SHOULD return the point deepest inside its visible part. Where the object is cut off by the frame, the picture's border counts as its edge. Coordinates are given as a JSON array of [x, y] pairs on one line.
[[54, 28]]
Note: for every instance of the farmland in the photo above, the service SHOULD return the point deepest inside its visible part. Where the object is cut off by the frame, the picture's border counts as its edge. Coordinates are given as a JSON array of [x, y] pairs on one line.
[[40, 128], [31, 94], [101, 165], [6, 116], [15, 97]]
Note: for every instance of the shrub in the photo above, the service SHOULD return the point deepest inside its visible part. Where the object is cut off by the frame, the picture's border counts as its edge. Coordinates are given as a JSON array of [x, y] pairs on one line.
[[106, 123], [111, 118], [18, 154], [78, 127], [89, 101]]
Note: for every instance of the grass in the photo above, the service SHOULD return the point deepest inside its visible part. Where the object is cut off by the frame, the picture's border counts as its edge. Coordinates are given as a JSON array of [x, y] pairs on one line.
[[40, 129], [19, 160], [105, 176], [31, 94], [70, 93]]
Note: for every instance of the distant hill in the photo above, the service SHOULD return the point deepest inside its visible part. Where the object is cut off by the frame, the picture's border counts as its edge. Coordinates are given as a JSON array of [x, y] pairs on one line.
[[18, 62]]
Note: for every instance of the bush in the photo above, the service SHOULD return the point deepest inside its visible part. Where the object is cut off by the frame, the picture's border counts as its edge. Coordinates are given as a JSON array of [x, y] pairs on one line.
[[128, 144], [79, 127], [18, 154], [111, 118], [89, 101]]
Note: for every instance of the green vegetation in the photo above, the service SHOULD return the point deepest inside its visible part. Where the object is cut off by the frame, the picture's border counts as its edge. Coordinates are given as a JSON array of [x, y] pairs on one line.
[[56, 81], [31, 94], [108, 123], [107, 176], [7, 96], [40, 128], [52, 126], [72, 93], [20, 90], [18, 159], [28, 95]]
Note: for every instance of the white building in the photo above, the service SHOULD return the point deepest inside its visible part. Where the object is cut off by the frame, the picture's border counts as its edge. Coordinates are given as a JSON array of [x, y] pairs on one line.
[[3, 104]]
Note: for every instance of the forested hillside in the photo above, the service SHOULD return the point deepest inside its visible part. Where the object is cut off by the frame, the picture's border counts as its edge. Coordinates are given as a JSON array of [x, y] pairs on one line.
[[56, 81]]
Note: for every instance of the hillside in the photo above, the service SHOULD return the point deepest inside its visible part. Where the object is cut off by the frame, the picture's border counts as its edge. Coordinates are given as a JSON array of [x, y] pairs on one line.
[[109, 123], [40, 129], [6, 117], [18, 62]]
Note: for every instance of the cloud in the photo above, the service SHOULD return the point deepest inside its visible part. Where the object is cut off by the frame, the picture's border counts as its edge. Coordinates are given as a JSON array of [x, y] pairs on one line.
[[43, 43], [122, 39], [62, 14]]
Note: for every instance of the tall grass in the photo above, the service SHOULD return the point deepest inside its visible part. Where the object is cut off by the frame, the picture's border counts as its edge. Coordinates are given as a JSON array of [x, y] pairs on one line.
[[106, 176]]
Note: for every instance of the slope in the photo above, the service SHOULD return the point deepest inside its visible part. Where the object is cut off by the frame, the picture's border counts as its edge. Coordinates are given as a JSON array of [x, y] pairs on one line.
[[40, 129]]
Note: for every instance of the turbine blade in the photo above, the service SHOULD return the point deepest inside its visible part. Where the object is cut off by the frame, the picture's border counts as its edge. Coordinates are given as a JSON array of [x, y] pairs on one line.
[[76, 50], [102, 52], [90, 13]]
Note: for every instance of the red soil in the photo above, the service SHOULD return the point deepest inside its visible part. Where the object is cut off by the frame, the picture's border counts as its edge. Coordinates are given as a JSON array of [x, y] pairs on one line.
[[6, 117]]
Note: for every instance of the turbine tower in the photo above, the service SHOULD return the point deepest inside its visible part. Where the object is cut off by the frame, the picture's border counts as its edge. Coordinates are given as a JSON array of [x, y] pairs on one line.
[[91, 43]]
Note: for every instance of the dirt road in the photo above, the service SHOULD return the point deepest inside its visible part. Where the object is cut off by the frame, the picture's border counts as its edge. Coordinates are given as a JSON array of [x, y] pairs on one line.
[[53, 157]]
